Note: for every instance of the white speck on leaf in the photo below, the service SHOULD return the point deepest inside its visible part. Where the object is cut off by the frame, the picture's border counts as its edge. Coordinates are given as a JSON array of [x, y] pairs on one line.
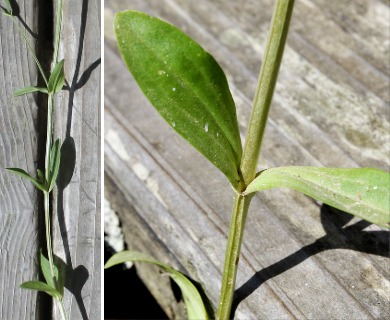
[[206, 127], [173, 124], [375, 187], [173, 89], [161, 72]]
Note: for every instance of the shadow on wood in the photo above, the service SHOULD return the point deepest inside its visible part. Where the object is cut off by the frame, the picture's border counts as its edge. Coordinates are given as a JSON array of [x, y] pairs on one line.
[[337, 236]]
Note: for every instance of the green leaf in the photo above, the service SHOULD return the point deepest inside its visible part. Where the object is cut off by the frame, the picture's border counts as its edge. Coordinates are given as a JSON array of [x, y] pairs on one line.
[[363, 192], [8, 11], [60, 270], [45, 267], [58, 274], [57, 78], [41, 286], [22, 91], [185, 85], [41, 177], [195, 306], [24, 174], [55, 158]]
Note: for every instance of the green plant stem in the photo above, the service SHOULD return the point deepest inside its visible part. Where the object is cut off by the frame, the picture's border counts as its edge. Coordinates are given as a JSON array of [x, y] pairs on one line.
[[46, 196], [261, 104], [57, 32], [236, 231], [62, 309], [49, 132], [265, 88]]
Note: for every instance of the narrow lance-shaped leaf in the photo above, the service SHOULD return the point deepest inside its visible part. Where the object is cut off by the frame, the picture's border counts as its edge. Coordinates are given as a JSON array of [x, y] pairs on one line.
[[59, 279], [22, 91], [195, 306], [45, 267], [363, 192], [55, 158], [186, 86], [41, 286], [57, 78], [24, 174]]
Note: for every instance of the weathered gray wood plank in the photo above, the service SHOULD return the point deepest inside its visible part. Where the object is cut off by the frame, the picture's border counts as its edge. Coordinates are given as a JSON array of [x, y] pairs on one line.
[[18, 148], [330, 108], [76, 202], [77, 225]]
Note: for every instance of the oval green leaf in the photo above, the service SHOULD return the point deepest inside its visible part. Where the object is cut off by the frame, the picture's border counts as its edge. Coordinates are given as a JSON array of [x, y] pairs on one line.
[[186, 86], [363, 192], [196, 308]]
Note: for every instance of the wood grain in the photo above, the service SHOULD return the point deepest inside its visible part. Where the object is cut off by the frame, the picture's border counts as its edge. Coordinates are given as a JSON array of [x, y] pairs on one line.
[[18, 148], [76, 200], [331, 108]]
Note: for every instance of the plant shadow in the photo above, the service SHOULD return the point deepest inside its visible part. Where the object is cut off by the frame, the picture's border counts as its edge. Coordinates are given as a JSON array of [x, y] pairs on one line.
[[352, 237], [76, 277], [16, 13]]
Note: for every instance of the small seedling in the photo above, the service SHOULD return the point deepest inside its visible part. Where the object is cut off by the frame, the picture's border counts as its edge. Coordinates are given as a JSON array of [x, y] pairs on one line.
[[190, 91], [46, 179]]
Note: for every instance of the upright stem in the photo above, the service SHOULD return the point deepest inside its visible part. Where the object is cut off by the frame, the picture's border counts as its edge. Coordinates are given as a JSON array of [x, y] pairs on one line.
[[265, 88], [49, 133], [48, 234], [57, 32], [261, 104], [236, 231]]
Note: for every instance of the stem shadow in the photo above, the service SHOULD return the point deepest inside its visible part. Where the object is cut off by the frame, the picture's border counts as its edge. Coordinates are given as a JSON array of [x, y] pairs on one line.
[[75, 280], [16, 13], [337, 236], [79, 275]]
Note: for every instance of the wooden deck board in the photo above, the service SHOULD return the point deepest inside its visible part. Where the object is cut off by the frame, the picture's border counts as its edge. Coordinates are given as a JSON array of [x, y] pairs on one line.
[[77, 123], [299, 259], [18, 148], [76, 201]]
